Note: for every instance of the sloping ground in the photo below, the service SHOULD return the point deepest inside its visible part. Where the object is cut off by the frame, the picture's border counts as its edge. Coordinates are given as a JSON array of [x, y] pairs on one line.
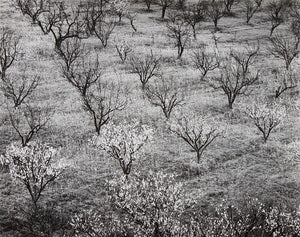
[[235, 167]]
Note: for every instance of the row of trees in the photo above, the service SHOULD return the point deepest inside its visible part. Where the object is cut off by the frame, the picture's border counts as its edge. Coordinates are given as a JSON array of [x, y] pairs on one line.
[[99, 18], [235, 79], [278, 11], [92, 18], [18, 84], [102, 99], [32, 163], [182, 25]]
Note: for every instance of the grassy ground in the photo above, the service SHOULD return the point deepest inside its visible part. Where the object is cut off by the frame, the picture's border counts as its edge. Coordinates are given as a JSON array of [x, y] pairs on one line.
[[236, 166]]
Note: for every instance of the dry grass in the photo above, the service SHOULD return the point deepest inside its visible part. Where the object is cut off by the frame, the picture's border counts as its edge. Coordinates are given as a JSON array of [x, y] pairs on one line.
[[236, 166]]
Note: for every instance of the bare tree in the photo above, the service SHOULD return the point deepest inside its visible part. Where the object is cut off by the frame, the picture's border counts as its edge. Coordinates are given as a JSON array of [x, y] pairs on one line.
[[215, 11], [164, 5], [63, 23], [286, 48], [102, 102], [83, 74], [99, 99], [104, 29], [195, 130], [166, 94], [228, 6], [148, 4], [70, 51], [284, 81], [295, 26], [70, 24], [205, 61], [28, 120], [251, 8], [266, 117], [146, 67], [278, 13], [180, 32], [32, 8], [193, 15], [131, 17], [94, 11], [235, 75], [245, 58], [258, 3], [18, 87], [180, 4], [8, 50]]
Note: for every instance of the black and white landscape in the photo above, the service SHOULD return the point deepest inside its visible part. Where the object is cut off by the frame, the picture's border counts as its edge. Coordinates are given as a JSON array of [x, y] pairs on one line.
[[149, 118]]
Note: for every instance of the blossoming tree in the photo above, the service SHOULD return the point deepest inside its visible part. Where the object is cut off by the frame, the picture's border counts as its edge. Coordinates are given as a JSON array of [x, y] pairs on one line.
[[123, 142], [34, 165]]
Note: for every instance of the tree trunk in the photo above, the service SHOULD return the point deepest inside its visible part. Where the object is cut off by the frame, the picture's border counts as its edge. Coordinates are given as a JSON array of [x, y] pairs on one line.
[[230, 101], [132, 25], [163, 12], [180, 52], [194, 32], [216, 24], [198, 156]]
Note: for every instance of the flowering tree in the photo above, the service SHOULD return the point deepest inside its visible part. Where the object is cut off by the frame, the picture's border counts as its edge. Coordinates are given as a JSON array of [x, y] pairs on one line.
[[266, 117], [94, 223], [154, 204], [141, 199], [120, 8], [150, 205], [198, 132], [252, 218], [33, 165], [282, 223], [123, 142]]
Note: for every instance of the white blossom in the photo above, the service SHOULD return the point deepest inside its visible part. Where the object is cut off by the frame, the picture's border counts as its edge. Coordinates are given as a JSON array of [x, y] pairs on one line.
[[123, 142], [33, 165]]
